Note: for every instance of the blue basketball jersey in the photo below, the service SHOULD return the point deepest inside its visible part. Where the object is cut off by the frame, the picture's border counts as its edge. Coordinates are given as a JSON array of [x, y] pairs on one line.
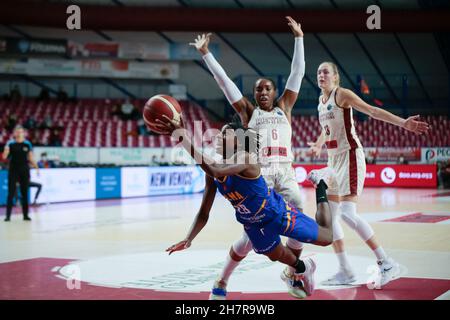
[[252, 199]]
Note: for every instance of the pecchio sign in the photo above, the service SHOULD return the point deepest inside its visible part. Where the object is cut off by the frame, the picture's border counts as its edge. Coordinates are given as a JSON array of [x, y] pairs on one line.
[[432, 155]]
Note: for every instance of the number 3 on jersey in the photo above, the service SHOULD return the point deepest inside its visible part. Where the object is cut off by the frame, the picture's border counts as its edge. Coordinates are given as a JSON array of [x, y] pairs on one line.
[[327, 130], [242, 209]]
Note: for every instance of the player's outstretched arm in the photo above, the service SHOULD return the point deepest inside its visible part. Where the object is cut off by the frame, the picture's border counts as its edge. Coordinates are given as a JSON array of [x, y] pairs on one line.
[[347, 98], [206, 163], [201, 219], [234, 96], [293, 83]]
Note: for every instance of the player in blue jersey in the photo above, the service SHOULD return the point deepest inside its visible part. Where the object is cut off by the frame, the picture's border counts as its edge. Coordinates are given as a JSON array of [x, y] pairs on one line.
[[264, 213]]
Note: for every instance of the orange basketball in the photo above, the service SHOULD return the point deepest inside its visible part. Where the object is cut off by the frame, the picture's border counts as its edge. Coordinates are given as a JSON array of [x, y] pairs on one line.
[[160, 105]]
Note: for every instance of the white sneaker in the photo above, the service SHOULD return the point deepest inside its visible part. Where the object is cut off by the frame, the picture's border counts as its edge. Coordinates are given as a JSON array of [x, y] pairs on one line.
[[307, 277], [389, 270], [295, 288], [321, 174], [343, 277]]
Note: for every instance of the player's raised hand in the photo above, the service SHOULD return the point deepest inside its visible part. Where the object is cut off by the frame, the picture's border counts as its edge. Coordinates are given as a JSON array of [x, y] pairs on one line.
[[295, 27], [201, 43], [418, 127], [182, 245], [315, 149]]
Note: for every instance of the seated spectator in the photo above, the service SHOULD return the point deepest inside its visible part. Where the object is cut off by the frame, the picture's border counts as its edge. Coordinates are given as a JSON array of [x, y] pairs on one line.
[[142, 128], [47, 123], [155, 161], [30, 123], [115, 111], [401, 160], [44, 95], [127, 110], [135, 114], [45, 162], [11, 122], [62, 95], [55, 139]]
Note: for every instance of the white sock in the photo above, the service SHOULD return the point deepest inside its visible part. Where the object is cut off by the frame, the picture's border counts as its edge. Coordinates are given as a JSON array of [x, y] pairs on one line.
[[228, 269], [344, 264], [380, 254]]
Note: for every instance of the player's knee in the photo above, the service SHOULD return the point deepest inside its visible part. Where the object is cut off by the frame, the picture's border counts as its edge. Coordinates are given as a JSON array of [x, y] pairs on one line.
[[338, 233], [241, 248], [274, 255], [294, 244], [358, 224], [328, 237], [350, 219]]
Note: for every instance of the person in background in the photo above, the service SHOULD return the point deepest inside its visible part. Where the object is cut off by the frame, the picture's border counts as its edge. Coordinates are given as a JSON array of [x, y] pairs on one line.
[[30, 123], [55, 139], [20, 155], [47, 123], [62, 95], [155, 161], [127, 109], [45, 162], [401, 159], [15, 95], [44, 95]]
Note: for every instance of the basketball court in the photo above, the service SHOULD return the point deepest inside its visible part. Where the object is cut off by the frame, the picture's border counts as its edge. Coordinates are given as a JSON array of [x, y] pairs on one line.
[[116, 248]]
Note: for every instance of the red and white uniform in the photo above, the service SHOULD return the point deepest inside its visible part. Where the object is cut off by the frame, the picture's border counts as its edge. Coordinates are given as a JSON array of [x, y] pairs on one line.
[[345, 152], [275, 152]]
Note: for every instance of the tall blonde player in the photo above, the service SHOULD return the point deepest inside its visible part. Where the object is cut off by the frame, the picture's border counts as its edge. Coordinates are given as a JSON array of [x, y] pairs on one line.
[[348, 168], [272, 119]]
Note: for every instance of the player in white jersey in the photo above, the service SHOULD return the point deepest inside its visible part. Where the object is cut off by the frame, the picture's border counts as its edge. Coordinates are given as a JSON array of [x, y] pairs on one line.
[[348, 168], [272, 119]]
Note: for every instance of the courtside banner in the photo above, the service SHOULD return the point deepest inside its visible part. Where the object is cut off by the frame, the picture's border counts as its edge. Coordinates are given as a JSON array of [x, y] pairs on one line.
[[378, 175], [151, 181], [64, 184], [176, 180]]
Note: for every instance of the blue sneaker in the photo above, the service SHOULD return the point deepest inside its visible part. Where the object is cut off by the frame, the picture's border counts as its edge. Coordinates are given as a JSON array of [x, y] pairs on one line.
[[219, 291]]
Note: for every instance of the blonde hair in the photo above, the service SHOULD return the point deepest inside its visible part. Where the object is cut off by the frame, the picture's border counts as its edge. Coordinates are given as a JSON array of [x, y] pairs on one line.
[[336, 72]]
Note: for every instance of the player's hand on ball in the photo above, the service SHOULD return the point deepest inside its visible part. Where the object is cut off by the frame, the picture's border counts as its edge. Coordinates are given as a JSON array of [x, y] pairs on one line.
[[315, 149], [418, 127], [295, 27], [170, 125], [201, 43], [182, 245]]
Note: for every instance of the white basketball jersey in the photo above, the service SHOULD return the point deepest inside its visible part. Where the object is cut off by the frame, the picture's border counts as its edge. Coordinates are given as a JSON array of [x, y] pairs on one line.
[[275, 135], [338, 125]]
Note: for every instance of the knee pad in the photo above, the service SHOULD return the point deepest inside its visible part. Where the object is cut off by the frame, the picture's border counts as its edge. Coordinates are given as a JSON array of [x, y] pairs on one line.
[[354, 221], [338, 233], [243, 246], [294, 244]]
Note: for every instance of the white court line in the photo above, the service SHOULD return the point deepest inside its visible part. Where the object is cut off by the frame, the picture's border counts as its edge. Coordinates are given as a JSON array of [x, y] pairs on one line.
[[444, 296]]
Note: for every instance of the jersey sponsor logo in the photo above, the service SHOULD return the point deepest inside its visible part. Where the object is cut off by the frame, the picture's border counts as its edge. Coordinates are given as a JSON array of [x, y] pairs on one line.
[[275, 151], [326, 116], [271, 120], [332, 144], [388, 175]]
